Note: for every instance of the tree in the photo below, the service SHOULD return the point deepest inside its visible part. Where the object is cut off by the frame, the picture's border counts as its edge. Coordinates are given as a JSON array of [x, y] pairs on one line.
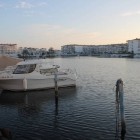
[[25, 53], [51, 52]]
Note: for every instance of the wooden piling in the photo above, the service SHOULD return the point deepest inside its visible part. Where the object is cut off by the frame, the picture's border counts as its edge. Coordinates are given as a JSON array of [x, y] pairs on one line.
[[120, 102], [56, 87], [121, 94], [117, 114], [56, 84], [56, 93]]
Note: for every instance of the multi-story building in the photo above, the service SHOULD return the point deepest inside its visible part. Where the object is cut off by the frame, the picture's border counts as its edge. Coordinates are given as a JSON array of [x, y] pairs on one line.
[[68, 50], [83, 49], [32, 52], [76, 50], [110, 49], [94, 49], [8, 49], [79, 49], [134, 46]]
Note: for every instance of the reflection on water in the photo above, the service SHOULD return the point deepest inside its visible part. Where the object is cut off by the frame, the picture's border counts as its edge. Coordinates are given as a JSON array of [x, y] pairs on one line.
[[83, 113], [34, 97], [29, 105]]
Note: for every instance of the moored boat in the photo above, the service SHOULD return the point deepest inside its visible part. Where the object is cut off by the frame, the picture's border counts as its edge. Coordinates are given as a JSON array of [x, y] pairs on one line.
[[35, 75]]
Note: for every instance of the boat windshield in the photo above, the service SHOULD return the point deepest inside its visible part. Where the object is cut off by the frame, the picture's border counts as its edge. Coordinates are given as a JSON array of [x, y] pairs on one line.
[[22, 69]]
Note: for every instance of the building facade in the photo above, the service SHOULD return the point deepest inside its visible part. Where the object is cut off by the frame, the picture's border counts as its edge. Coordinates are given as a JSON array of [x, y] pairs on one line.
[[134, 46], [32, 52], [94, 49], [68, 50], [8, 49]]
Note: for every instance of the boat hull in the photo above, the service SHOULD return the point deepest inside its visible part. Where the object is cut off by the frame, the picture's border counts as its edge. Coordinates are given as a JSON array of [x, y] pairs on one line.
[[34, 84]]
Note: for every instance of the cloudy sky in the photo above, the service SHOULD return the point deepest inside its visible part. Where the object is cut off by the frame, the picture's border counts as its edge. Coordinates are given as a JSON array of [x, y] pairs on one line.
[[53, 23]]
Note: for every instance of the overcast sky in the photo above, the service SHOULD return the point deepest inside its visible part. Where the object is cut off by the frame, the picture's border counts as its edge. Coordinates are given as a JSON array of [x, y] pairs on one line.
[[53, 23]]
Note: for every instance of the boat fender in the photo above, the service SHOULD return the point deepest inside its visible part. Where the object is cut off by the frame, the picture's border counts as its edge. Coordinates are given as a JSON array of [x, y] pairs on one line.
[[25, 84]]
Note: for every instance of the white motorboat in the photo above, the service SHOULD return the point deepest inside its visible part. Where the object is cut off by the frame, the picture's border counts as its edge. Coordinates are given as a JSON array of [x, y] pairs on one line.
[[35, 75]]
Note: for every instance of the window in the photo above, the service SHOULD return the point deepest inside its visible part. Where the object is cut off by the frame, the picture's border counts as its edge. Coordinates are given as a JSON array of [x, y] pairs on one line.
[[22, 69]]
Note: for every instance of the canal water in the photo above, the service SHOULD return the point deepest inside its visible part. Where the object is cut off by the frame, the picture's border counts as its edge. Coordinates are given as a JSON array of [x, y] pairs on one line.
[[86, 112]]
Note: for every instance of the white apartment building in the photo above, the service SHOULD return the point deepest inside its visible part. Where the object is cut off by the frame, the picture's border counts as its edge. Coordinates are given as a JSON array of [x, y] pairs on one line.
[[68, 50], [83, 49], [32, 52], [79, 49], [134, 46], [8, 49], [76, 49], [94, 49], [110, 49]]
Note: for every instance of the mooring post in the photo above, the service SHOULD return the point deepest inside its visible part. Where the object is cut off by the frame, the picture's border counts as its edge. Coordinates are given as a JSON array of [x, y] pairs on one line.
[[121, 94], [119, 89], [56, 88], [117, 111], [56, 84]]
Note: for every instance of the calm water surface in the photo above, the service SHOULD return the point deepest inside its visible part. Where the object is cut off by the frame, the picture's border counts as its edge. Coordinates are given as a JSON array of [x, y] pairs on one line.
[[83, 113]]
